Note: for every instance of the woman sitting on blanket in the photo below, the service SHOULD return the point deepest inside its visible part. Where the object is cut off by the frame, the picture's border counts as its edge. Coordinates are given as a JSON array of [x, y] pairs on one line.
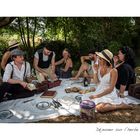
[[126, 72], [64, 66], [105, 96]]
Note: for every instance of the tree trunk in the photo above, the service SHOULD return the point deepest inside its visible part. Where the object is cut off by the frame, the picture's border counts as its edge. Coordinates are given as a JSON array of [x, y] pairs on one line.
[[35, 22], [21, 32], [28, 34], [65, 33], [24, 37]]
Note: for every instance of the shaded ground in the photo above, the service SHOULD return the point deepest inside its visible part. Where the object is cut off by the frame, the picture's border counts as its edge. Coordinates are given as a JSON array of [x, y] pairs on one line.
[[121, 116]]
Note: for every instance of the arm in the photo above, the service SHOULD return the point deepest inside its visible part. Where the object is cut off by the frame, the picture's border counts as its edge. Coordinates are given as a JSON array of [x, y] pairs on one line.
[[68, 64], [83, 58], [53, 63], [4, 60], [22, 83], [59, 62], [122, 89], [95, 74], [124, 75], [113, 80], [35, 64], [28, 73], [28, 69]]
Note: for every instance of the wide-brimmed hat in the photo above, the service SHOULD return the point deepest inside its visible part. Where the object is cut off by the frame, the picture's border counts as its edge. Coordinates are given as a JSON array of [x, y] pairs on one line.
[[17, 52], [13, 44], [106, 55]]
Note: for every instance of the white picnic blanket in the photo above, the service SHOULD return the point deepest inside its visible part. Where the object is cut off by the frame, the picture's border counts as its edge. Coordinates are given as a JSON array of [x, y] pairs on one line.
[[36, 108]]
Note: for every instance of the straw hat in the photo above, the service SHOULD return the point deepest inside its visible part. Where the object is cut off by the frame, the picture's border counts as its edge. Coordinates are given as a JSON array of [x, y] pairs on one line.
[[13, 44], [106, 55]]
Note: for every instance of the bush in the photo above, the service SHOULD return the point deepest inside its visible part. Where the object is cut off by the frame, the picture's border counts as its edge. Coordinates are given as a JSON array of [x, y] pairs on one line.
[[3, 47], [113, 46]]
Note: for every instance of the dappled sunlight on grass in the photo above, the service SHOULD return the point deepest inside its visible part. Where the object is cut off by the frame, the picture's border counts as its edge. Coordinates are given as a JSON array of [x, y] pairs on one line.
[[120, 116]]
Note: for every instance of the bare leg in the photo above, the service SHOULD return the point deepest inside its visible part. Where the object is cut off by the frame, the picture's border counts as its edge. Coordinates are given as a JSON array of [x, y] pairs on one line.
[[83, 68], [53, 76], [105, 107]]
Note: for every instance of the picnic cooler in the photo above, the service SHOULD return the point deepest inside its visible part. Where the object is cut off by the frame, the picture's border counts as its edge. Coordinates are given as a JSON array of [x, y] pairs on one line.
[[41, 87], [52, 84], [134, 90], [45, 85], [87, 110]]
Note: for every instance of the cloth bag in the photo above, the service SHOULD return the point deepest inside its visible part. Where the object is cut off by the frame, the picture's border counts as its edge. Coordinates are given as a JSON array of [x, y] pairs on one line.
[[134, 90]]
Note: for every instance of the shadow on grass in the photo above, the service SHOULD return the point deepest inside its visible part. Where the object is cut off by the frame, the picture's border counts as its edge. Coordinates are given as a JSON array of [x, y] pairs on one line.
[[120, 116]]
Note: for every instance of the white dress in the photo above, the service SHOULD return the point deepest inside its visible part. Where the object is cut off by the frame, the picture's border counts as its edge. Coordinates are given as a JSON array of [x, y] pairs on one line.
[[102, 86]]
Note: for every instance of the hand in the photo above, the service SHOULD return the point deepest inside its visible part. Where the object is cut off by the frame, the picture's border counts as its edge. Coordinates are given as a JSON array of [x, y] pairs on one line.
[[74, 78], [24, 84], [121, 95], [92, 89], [93, 96], [95, 67], [115, 58]]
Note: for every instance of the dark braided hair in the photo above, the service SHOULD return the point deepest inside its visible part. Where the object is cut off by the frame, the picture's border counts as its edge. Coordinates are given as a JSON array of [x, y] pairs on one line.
[[128, 56]]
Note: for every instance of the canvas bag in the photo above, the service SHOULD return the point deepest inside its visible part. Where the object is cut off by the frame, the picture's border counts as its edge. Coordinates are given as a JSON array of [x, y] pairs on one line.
[[134, 90]]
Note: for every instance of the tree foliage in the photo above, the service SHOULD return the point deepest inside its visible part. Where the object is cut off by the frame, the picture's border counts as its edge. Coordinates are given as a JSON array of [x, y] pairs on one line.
[[78, 33]]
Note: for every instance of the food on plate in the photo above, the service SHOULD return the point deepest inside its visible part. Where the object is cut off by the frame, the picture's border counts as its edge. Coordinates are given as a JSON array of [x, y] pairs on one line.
[[31, 86], [84, 91], [72, 89]]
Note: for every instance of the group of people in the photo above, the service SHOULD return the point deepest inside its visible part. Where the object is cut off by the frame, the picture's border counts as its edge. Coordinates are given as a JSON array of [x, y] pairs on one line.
[[16, 71], [112, 74], [113, 79]]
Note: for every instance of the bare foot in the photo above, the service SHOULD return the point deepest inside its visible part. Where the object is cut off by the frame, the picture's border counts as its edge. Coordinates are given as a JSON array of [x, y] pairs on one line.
[[125, 106], [104, 107], [74, 78]]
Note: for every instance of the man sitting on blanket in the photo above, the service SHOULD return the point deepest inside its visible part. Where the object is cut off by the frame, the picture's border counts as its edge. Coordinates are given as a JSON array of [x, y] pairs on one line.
[[14, 77], [44, 63], [86, 68]]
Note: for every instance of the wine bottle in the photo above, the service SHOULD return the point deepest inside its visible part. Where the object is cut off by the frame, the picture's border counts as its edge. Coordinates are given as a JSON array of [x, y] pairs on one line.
[[85, 82]]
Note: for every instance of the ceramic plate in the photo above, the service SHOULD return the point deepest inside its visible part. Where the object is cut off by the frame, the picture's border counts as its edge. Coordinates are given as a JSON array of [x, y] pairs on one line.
[[5, 114], [43, 105]]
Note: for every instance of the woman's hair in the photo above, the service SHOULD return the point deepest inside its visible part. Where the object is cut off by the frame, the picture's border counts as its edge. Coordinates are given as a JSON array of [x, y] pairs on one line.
[[92, 51], [107, 63], [44, 44], [128, 56], [67, 50]]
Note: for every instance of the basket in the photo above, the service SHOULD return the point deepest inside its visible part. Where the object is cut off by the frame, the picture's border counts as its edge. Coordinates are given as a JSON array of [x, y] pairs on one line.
[[52, 84], [87, 110]]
